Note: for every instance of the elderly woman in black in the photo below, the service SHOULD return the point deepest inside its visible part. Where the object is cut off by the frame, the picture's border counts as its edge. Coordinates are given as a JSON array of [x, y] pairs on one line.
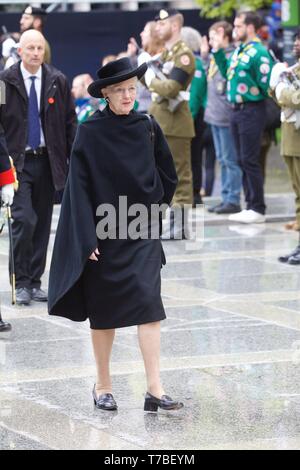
[[114, 282]]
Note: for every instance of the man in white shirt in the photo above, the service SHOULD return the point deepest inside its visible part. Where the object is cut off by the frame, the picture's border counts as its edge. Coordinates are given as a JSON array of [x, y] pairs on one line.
[[38, 124]]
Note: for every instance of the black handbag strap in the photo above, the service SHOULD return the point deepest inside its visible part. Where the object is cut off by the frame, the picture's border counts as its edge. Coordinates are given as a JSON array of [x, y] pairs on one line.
[[152, 131]]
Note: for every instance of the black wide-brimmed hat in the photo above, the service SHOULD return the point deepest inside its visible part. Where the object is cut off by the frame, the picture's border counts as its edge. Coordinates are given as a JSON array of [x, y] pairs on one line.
[[115, 72]]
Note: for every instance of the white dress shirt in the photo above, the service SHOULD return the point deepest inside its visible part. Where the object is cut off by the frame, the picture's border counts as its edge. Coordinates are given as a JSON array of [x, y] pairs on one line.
[[38, 87]]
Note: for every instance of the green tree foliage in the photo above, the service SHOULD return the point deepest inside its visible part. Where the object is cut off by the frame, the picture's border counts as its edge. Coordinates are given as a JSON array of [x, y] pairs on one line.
[[225, 8]]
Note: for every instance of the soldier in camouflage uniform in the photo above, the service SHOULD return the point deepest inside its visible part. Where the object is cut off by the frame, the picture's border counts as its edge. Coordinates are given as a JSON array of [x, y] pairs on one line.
[[248, 73], [32, 18], [176, 121], [285, 83]]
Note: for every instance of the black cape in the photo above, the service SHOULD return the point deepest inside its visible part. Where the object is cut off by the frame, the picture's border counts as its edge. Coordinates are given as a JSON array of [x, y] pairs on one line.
[[112, 156]]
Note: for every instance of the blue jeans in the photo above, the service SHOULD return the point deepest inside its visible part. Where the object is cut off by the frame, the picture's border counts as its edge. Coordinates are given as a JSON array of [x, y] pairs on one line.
[[231, 173]]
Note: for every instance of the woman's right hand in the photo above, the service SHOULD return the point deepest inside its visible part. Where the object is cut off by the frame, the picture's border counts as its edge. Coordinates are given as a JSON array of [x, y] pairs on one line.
[[204, 49], [94, 255]]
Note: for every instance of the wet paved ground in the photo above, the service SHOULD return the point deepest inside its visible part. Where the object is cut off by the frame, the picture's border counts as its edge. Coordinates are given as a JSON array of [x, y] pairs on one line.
[[230, 351]]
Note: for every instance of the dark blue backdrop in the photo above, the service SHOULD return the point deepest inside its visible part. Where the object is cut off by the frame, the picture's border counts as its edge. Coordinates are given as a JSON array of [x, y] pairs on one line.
[[79, 41]]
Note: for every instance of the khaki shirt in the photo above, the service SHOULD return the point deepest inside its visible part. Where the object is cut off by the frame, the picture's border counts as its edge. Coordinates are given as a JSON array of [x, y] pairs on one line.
[[290, 97], [181, 64], [290, 138]]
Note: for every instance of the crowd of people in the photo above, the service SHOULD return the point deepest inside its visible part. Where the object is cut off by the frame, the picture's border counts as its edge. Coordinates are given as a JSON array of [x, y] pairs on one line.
[[210, 95], [215, 98]]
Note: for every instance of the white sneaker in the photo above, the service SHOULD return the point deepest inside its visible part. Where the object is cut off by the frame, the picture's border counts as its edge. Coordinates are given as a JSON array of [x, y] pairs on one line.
[[247, 217], [236, 217]]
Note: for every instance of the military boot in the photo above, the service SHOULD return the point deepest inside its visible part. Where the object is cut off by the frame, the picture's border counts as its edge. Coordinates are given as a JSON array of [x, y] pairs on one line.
[[178, 228], [294, 259], [4, 326], [291, 258]]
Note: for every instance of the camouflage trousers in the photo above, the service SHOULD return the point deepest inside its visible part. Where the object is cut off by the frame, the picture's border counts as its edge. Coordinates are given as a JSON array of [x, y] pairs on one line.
[[293, 164]]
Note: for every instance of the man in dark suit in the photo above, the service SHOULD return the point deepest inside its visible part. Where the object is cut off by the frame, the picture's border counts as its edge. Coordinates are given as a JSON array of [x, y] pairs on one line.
[[38, 124]]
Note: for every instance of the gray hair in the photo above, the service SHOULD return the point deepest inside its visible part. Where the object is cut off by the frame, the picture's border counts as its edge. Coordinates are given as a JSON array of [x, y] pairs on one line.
[[191, 37]]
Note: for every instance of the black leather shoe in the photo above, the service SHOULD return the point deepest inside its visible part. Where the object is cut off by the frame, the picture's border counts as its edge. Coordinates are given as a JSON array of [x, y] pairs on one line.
[[228, 209], [23, 296], [286, 258], [295, 259], [214, 208], [175, 230], [4, 326], [197, 199], [105, 401], [38, 295], [165, 403]]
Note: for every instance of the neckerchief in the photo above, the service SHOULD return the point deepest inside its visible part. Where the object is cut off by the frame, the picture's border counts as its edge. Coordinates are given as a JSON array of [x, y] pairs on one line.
[[240, 51]]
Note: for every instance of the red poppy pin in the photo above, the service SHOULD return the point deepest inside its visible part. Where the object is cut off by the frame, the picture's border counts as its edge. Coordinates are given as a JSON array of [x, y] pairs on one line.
[[51, 100]]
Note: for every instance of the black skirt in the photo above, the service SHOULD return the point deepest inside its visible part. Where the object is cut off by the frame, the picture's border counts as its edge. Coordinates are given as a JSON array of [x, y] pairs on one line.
[[124, 287]]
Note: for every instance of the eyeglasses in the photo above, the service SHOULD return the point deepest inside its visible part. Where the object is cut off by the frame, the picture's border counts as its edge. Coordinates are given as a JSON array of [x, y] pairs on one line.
[[119, 91]]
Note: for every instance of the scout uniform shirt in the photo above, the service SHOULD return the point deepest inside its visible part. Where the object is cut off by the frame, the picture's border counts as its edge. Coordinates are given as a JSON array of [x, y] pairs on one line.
[[198, 89], [247, 71], [179, 68]]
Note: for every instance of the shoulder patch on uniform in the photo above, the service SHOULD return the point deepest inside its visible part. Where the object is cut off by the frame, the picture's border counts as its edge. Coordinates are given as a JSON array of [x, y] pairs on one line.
[[266, 60], [198, 74], [185, 59]]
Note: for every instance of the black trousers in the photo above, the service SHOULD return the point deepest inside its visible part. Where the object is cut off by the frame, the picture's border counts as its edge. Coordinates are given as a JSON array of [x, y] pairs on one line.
[[247, 126], [32, 214], [202, 144]]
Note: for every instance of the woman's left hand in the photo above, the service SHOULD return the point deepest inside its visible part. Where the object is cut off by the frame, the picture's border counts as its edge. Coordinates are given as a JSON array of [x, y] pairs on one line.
[[94, 255]]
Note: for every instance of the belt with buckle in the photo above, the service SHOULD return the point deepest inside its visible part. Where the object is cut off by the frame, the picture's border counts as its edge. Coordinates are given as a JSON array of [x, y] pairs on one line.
[[238, 106], [39, 152]]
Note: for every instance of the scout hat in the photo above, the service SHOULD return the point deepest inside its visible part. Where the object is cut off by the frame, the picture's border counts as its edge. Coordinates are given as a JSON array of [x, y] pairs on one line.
[[165, 13], [115, 72]]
